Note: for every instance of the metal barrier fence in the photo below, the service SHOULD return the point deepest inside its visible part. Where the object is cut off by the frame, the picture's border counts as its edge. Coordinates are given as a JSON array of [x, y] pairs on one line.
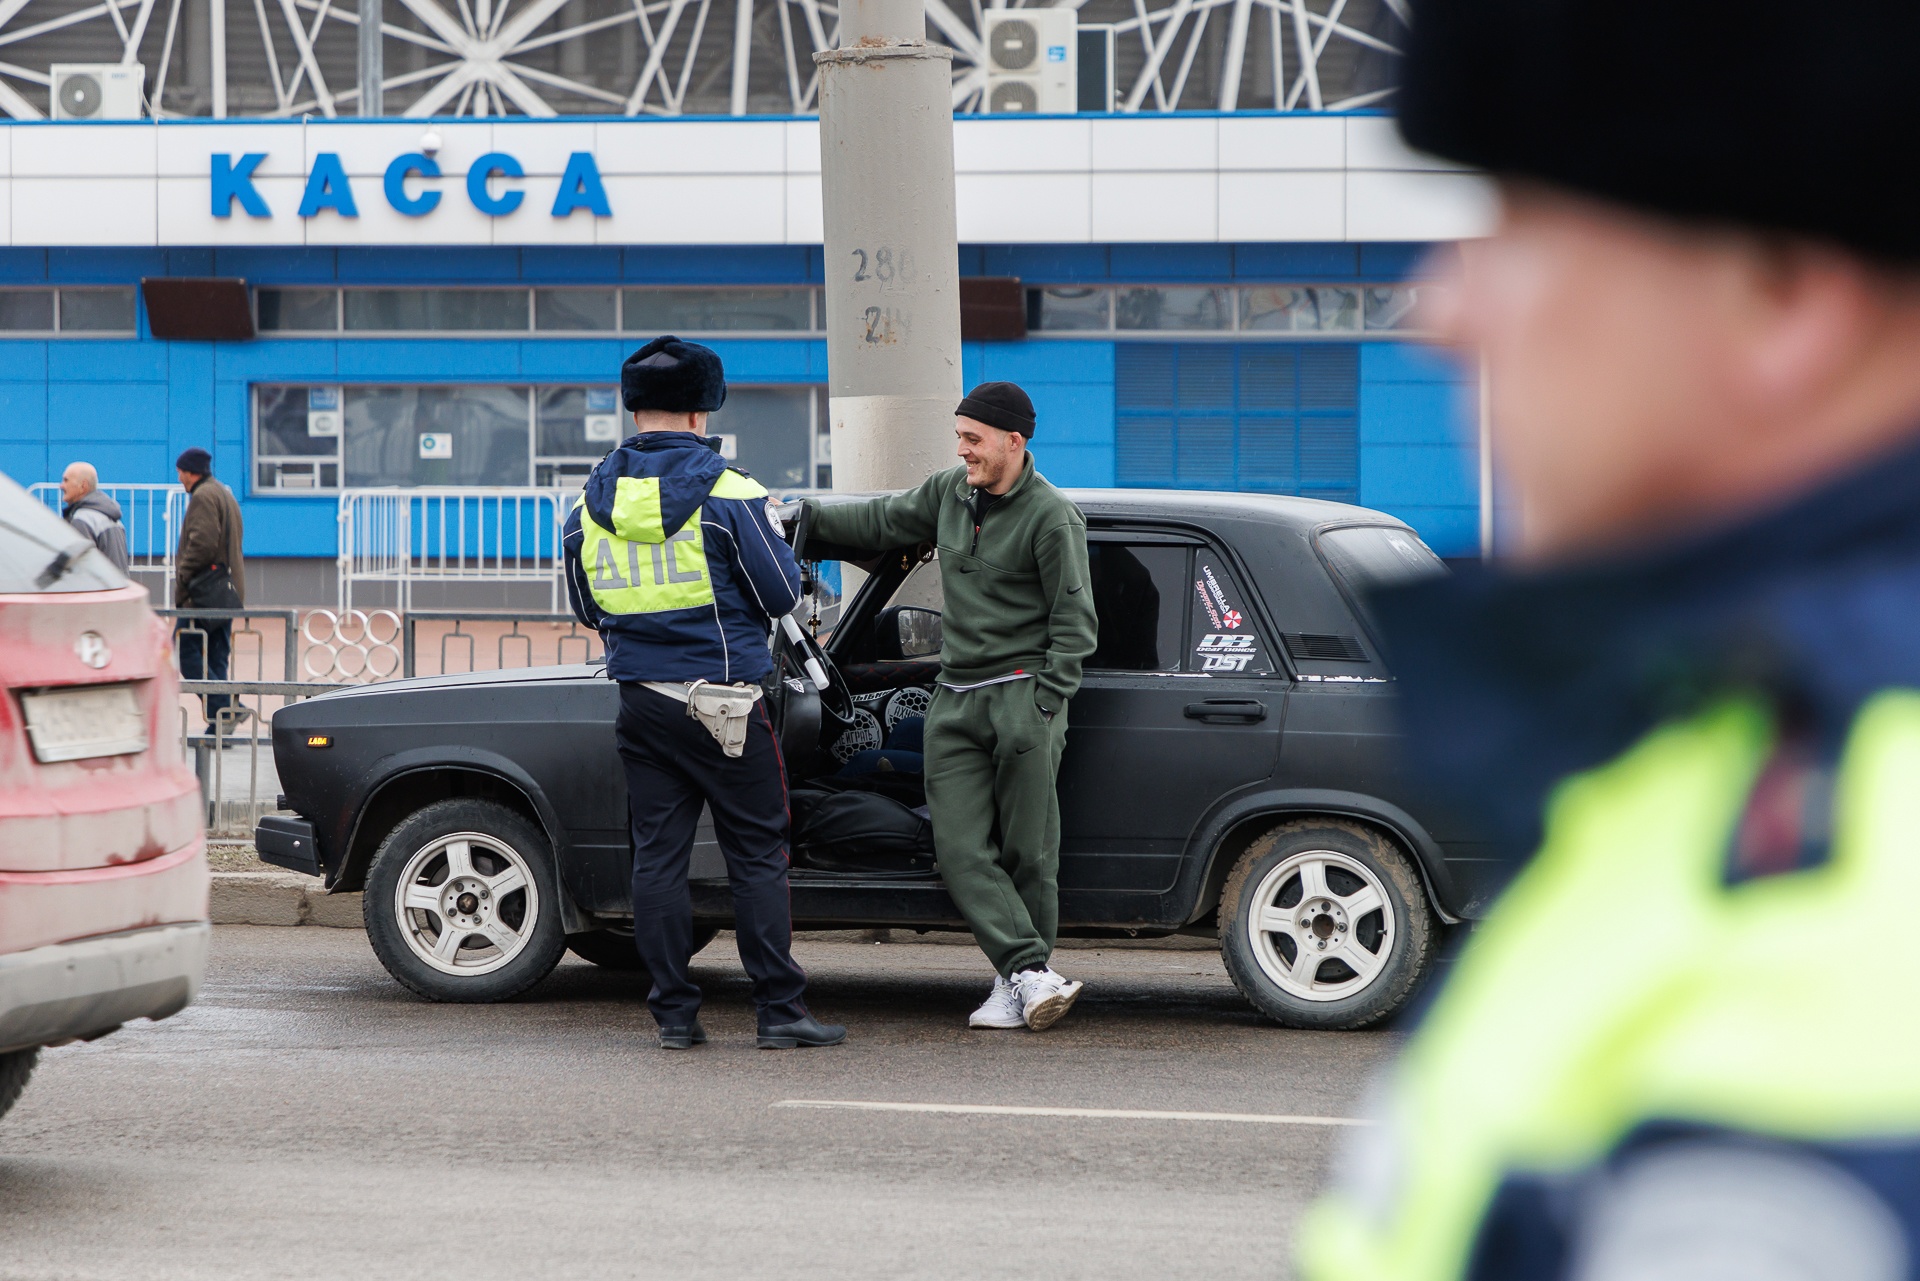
[[404, 537], [506, 642], [238, 781], [152, 515]]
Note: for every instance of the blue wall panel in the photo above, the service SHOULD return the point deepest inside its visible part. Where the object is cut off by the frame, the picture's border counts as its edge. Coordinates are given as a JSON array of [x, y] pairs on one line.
[[596, 360], [580, 264], [24, 461], [276, 266], [430, 359], [1418, 448], [23, 361], [23, 266], [23, 413], [1071, 384], [107, 360]]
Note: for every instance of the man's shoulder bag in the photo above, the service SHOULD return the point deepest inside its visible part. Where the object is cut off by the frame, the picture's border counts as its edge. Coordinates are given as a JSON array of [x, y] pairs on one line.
[[212, 588]]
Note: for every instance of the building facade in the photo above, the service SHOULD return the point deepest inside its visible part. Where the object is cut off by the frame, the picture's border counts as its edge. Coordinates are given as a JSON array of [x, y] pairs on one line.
[[1213, 300]]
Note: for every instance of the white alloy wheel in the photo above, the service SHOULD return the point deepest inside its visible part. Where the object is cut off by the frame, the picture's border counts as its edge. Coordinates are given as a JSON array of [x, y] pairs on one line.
[[1322, 925], [467, 903]]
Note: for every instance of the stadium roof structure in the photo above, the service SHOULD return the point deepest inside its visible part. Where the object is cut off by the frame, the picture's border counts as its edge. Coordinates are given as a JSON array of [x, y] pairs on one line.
[[543, 58]]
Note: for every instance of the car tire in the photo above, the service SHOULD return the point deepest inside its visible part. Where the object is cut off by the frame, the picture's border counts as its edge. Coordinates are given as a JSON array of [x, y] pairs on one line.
[[461, 903], [15, 1067], [612, 948], [1350, 893]]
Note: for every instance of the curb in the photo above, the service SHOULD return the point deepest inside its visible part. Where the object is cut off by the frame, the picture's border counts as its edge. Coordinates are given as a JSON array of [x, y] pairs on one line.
[[280, 898]]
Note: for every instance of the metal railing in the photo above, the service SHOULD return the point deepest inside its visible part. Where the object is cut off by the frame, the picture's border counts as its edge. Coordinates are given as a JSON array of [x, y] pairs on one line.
[[405, 537], [511, 639], [242, 729], [151, 515]]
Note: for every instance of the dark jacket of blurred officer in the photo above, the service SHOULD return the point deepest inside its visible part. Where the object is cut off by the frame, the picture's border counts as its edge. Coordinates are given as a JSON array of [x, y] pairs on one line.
[[678, 561], [93, 513], [208, 573], [1686, 1043]]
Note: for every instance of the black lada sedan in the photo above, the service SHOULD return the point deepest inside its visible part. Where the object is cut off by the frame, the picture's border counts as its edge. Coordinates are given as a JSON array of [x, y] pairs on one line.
[[1229, 771]]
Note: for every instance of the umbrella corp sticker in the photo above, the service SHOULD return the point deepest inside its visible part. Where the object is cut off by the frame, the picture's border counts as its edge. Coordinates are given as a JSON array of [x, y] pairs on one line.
[[1224, 646]]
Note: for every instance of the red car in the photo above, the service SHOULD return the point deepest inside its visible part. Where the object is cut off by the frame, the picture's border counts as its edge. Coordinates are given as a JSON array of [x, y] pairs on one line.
[[103, 865]]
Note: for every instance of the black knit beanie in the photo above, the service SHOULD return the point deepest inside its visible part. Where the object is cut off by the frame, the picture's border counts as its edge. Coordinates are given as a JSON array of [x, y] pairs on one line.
[[196, 460], [673, 377], [1001, 405]]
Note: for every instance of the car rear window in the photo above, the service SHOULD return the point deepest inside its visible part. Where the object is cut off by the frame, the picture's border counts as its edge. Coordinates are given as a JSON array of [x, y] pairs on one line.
[[39, 552], [1371, 558], [1137, 590]]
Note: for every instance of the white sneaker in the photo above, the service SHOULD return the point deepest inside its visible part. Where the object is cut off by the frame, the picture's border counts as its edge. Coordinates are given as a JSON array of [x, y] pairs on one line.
[[1045, 997], [1002, 1008]]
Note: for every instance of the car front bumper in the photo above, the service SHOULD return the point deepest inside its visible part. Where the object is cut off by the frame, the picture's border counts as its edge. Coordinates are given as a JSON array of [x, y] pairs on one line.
[[89, 987]]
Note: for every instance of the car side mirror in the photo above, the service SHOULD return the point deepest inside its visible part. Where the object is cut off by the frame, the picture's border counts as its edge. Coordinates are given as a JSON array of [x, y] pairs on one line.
[[906, 631]]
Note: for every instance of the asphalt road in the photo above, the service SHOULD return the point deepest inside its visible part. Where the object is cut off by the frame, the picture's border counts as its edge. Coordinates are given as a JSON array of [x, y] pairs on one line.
[[308, 1118]]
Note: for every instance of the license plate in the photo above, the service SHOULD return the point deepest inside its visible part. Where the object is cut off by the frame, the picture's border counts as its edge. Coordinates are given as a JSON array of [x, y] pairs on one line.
[[76, 724]]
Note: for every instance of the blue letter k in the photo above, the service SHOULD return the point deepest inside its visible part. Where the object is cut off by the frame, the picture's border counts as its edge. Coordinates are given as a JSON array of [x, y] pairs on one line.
[[233, 182]]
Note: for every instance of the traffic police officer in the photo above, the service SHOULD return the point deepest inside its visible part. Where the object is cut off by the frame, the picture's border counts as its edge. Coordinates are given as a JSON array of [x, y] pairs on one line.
[[677, 560], [1686, 1043]]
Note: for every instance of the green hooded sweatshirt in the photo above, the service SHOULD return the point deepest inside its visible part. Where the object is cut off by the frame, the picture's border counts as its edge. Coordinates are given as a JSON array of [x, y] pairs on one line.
[[1016, 586]]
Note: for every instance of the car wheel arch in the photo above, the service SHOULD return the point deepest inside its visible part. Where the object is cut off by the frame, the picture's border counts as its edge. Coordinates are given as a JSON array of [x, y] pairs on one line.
[[404, 791], [1231, 833]]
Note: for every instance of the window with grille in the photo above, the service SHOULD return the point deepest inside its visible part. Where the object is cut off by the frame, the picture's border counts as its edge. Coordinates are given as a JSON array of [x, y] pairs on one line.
[[1273, 417]]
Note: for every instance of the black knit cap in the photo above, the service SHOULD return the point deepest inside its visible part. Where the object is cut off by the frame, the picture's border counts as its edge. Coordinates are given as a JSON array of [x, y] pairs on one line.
[[196, 460], [1761, 113], [673, 377], [1001, 405]]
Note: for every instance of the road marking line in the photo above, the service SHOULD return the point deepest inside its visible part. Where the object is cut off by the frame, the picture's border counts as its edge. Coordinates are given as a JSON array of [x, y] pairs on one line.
[[1118, 1114]]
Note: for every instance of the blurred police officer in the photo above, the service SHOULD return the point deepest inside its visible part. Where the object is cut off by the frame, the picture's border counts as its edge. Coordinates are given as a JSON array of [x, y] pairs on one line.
[[677, 560], [1686, 1043]]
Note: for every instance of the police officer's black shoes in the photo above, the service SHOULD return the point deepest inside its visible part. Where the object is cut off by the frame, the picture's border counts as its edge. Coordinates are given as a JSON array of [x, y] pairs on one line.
[[682, 1036], [807, 1031]]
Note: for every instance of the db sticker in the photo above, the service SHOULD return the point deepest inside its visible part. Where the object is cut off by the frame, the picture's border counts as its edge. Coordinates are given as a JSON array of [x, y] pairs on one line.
[[1226, 653]]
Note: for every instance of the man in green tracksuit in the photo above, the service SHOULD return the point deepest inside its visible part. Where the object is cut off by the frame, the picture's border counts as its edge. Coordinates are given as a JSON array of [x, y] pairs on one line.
[[1018, 624]]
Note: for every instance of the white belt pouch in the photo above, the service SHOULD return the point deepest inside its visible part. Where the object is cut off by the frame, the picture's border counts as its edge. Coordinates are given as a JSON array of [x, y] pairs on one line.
[[723, 709]]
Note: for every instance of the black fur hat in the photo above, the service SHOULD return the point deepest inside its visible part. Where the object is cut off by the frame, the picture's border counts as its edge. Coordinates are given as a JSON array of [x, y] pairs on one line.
[[673, 377], [1762, 114]]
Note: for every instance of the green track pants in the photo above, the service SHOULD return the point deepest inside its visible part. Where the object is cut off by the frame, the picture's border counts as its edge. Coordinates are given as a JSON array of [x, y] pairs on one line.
[[991, 761]]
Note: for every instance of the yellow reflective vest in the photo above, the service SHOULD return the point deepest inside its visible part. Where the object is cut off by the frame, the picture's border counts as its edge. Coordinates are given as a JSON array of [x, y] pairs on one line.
[[1622, 981]]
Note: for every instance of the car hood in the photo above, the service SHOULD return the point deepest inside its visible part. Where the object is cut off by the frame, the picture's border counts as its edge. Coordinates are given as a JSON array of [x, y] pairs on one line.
[[513, 676]]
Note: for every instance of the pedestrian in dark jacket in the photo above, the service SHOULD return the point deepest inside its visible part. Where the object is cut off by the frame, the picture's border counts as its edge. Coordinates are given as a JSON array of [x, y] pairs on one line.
[[677, 559], [93, 513], [1018, 623], [208, 573]]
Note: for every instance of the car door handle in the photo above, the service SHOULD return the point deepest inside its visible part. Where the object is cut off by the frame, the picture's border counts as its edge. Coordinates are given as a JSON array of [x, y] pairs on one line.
[[1243, 710]]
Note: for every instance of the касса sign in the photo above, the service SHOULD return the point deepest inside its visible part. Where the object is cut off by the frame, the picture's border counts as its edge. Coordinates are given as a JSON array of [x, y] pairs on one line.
[[409, 185]]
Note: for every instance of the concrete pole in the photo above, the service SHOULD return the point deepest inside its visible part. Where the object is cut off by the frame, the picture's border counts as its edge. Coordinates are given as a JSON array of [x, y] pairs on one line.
[[373, 68], [892, 252]]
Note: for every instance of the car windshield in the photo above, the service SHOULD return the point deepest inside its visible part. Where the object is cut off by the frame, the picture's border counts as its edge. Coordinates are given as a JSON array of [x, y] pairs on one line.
[[39, 552], [1372, 558]]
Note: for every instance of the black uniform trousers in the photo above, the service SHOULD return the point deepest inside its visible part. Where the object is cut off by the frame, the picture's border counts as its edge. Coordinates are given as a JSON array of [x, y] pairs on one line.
[[673, 764]]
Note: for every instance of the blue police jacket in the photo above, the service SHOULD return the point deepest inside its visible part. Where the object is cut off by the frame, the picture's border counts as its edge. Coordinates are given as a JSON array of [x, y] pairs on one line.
[[679, 563]]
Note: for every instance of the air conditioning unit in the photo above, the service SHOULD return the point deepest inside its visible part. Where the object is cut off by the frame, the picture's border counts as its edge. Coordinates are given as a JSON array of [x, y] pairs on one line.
[[98, 90], [1032, 61]]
